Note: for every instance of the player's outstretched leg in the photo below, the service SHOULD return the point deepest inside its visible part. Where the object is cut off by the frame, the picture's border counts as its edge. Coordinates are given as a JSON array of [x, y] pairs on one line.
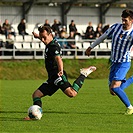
[[87, 71], [84, 72]]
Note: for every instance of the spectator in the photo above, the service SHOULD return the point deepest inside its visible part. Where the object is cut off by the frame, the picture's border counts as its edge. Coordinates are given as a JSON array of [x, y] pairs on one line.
[[1, 32], [89, 27], [22, 28], [9, 42], [55, 27], [1, 43], [99, 26], [55, 35], [1, 29], [7, 28], [47, 23], [72, 27], [98, 32], [64, 31], [105, 28], [89, 34], [71, 43], [63, 42]]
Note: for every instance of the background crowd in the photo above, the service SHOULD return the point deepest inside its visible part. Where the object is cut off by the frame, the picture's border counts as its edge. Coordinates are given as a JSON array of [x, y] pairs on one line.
[[59, 32]]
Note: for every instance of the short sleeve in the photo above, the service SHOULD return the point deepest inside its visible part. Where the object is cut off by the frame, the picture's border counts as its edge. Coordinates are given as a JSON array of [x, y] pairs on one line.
[[55, 51]]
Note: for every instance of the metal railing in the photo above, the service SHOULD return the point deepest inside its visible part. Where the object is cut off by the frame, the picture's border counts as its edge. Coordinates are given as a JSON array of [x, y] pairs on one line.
[[38, 52]]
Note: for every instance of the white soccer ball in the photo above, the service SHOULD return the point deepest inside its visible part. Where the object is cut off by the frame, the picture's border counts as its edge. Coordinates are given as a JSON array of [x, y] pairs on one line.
[[35, 112]]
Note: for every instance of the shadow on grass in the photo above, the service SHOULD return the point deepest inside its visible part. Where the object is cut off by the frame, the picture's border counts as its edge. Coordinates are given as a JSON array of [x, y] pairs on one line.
[[83, 113], [10, 119], [6, 118], [12, 112], [60, 112]]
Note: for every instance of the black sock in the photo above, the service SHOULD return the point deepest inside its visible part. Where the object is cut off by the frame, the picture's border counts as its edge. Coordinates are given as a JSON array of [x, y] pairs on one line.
[[37, 101], [78, 83]]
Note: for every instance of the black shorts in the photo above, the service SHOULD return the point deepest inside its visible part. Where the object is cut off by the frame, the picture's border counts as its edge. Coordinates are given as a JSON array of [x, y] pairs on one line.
[[54, 83]]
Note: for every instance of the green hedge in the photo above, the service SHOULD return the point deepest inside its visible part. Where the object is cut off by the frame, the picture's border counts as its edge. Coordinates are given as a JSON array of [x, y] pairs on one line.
[[35, 69]]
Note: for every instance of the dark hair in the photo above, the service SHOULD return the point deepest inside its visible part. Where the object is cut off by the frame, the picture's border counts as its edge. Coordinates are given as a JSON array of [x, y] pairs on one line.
[[72, 20], [127, 13], [47, 28]]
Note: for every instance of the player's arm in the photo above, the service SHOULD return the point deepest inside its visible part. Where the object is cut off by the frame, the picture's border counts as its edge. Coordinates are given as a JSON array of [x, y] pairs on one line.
[[36, 36], [98, 41], [60, 65]]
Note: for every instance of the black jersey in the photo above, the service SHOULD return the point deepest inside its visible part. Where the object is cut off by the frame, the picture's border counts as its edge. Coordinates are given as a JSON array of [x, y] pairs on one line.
[[52, 49]]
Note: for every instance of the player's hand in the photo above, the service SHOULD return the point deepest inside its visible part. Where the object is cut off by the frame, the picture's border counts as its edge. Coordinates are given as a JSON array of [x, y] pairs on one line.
[[60, 73], [88, 51], [35, 35]]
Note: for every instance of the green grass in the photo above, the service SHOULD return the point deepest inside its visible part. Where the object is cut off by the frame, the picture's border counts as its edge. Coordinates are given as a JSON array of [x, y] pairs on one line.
[[93, 110], [35, 69]]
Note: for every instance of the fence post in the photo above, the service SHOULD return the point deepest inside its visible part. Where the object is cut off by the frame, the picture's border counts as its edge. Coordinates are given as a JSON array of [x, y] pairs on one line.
[[13, 51]]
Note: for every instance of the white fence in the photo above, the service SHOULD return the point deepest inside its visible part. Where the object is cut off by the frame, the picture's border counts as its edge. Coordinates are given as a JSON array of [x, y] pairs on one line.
[[30, 48]]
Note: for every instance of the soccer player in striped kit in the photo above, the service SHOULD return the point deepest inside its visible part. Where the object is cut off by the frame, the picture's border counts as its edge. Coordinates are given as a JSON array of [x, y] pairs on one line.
[[122, 41]]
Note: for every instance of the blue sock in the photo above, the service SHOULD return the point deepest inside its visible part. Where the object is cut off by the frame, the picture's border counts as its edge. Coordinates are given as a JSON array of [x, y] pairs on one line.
[[122, 95], [127, 83]]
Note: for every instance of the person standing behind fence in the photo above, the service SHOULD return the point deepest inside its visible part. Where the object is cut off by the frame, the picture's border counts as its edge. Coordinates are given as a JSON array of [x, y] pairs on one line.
[[122, 41]]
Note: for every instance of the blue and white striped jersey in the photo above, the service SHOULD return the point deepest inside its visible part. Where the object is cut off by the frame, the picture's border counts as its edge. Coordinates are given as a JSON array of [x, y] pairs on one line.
[[121, 43]]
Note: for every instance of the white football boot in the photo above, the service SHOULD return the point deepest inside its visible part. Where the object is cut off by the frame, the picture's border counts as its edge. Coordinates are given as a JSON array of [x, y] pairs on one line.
[[87, 71]]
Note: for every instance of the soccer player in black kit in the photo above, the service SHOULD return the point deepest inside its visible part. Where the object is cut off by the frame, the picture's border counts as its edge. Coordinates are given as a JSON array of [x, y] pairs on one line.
[[57, 77]]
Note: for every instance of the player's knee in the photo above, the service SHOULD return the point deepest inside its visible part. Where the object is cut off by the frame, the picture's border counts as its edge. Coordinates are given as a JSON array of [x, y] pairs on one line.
[[71, 93], [112, 92], [34, 95], [37, 93]]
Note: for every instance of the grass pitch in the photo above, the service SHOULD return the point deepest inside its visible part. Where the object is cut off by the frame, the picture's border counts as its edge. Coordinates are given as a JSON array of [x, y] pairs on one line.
[[93, 110]]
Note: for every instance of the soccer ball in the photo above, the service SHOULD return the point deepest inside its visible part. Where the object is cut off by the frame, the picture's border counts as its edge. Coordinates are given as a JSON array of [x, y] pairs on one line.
[[35, 112]]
